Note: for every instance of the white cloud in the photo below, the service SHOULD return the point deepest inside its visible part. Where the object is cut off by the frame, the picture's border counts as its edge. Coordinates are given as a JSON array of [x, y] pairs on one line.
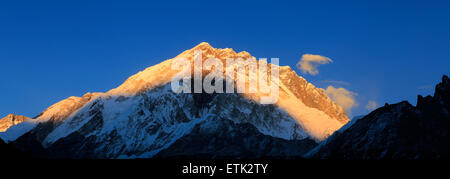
[[309, 63], [371, 105], [342, 97]]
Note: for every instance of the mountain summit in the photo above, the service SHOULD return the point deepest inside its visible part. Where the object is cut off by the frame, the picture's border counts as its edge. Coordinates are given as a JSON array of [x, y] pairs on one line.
[[144, 118]]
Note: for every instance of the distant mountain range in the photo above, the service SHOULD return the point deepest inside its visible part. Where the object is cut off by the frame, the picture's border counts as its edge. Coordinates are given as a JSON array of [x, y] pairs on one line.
[[144, 118]]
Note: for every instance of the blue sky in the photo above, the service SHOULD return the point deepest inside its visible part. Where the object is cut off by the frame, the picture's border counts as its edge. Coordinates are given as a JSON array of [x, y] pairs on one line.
[[383, 51]]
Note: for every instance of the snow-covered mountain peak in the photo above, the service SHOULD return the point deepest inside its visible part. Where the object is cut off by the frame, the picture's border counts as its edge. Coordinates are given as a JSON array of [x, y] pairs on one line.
[[309, 105], [210, 52], [143, 116], [162, 73]]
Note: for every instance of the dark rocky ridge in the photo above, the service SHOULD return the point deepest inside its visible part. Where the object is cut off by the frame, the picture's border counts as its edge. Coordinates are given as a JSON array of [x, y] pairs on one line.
[[226, 139], [398, 131]]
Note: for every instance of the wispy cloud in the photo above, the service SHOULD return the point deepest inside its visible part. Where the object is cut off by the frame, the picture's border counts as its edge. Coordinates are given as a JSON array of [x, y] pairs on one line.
[[309, 63], [342, 97], [371, 105]]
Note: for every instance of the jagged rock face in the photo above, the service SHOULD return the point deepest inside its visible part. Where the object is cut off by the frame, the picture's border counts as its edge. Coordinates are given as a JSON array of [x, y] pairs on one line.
[[442, 92], [11, 120], [399, 131], [143, 117], [312, 96]]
